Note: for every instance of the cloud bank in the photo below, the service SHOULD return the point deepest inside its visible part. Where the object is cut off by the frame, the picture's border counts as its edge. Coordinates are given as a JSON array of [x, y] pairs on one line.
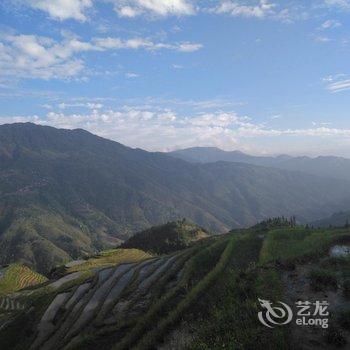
[[164, 129]]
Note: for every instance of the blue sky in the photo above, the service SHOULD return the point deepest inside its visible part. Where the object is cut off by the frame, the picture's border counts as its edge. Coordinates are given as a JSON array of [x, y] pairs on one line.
[[261, 76]]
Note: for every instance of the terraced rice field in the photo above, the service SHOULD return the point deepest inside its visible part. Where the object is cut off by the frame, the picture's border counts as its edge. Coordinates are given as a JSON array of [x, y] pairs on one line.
[[16, 277], [202, 298], [116, 305], [10, 304]]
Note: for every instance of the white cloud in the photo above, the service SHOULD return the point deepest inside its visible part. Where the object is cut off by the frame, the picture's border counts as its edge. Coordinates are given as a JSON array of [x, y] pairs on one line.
[[341, 4], [117, 43], [153, 130], [131, 75], [164, 129], [339, 86], [189, 47], [62, 9], [261, 9], [321, 39], [139, 43], [133, 8], [194, 105], [330, 23], [287, 12], [32, 56], [321, 123], [89, 105], [337, 83], [275, 117], [127, 11], [333, 78]]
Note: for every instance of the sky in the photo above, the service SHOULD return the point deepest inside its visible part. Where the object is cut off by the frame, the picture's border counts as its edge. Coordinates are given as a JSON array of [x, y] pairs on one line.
[[260, 76]]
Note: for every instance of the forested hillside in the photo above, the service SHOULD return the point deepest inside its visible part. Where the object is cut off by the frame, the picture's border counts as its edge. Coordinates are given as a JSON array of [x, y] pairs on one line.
[[167, 238]]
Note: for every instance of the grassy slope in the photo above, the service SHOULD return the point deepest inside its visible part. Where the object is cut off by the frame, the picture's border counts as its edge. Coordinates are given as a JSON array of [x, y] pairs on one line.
[[226, 315], [299, 244]]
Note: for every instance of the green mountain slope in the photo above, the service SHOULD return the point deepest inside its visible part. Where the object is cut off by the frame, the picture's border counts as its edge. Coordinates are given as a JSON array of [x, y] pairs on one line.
[[199, 298], [166, 238], [65, 194]]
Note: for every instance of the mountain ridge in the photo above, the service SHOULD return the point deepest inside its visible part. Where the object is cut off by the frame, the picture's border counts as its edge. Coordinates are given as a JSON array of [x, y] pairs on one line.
[[326, 166], [338, 219]]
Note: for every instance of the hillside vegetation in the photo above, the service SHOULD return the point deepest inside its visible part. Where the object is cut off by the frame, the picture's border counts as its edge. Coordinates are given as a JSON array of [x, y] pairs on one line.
[[66, 194], [202, 297], [166, 238]]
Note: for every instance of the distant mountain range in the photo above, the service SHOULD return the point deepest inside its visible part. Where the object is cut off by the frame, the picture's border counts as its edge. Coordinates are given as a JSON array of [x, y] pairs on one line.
[[339, 219], [334, 167], [67, 193]]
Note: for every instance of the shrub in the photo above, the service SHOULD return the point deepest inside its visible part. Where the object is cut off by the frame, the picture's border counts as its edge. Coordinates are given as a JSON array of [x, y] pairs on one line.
[[335, 337], [322, 279], [346, 288], [344, 319]]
